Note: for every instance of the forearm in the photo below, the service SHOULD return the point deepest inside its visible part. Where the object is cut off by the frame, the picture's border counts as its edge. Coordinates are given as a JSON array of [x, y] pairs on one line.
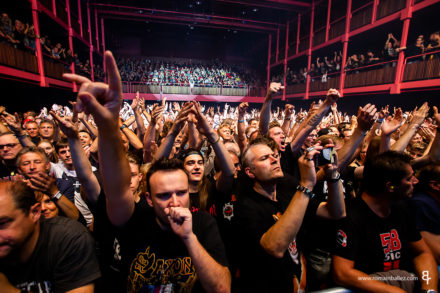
[[130, 120], [310, 124], [115, 172], [149, 138], [335, 201], [263, 125], [69, 209], [140, 130], [193, 136], [24, 140], [434, 152], [276, 240], [133, 139], [346, 152], [213, 276], [359, 281], [83, 170], [166, 146], [385, 143], [92, 130], [286, 125], [426, 262], [401, 144]]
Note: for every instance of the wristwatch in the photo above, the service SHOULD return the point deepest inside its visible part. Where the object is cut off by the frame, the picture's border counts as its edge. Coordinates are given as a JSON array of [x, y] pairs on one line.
[[305, 190]]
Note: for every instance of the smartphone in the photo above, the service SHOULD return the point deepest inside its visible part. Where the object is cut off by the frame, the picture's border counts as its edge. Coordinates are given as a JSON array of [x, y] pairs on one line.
[[327, 156]]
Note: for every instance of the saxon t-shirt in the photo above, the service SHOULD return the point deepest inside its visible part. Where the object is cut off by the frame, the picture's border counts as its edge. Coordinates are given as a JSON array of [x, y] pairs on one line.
[[157, 260], [63, 259], [376, 244], [254, 215]]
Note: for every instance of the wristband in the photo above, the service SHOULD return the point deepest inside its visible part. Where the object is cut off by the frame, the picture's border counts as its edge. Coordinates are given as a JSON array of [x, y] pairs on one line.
[[57, 196], [123, 126], [305, 190], [21, 135], [240, 121], [380, 120]]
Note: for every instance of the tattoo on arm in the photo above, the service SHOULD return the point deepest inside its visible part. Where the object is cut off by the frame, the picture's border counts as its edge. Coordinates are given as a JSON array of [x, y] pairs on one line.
[[313, 120]]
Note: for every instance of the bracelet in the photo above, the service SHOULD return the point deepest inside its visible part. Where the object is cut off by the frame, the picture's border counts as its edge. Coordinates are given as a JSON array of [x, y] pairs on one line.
[[240, 121], [57, 196], [123, 126], [380, 120], [216, 141], [305, 190]]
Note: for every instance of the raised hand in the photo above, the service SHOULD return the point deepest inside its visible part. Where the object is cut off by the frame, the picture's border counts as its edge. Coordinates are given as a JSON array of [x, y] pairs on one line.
[[419, 115], [101, 100], [274, 88], [436, 115], [13, 122], [333, 95], [242, 108], [365, 118], [67, 126], [392, 123], [289, 110]]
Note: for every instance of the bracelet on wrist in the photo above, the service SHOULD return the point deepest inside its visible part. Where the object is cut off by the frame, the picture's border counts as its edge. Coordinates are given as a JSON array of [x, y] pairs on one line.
[[305, 190], [56, 196], [380, 120], [240, 121], [123, 126]]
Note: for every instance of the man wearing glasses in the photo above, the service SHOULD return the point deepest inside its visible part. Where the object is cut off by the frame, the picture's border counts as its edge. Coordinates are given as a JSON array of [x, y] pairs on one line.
[[9, 148]]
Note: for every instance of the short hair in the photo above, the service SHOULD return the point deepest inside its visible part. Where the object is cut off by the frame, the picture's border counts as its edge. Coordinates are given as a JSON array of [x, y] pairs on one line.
[[132, 158], [389, 166], [324, 139], [31, 149], [260, 140], [252, 119], [22, 195], [47, 121], [274, 124], [29, 122], [163, 164], [62, 143], [427, 174], [8, 133], [84, 131], [188, 152]]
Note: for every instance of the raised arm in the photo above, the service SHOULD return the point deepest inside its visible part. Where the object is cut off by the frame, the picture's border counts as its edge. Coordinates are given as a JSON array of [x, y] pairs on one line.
[[263, 127], [288, 112], [417, 120], [150, 134], [241, 126], [166, 146], [389, 126], [313, 121], [276, 240], [365, 121], [80, 161], [224, 182], [103, 101], [14, 125]]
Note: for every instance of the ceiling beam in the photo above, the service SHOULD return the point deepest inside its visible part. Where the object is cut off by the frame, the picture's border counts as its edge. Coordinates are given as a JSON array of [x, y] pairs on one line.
[[188, 20], [282, 4]]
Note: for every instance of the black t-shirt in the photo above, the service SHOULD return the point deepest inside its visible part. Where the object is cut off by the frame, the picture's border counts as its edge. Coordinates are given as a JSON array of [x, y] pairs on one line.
[[157, 259], [63, 259], [7, 170], [254, 215], [376, 244]]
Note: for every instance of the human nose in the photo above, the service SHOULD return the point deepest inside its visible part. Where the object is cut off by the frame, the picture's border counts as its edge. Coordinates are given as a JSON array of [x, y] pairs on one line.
[[415, 180], [174, 202]]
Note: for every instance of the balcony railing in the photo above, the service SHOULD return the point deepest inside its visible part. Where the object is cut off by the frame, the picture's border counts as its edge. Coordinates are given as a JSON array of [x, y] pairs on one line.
[[20, 59], [142, 87], [379, 73], [423, 66], [318, 83]]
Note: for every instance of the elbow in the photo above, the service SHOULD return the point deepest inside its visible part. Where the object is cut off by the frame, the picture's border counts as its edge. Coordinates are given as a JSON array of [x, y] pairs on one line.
[[271, 247]]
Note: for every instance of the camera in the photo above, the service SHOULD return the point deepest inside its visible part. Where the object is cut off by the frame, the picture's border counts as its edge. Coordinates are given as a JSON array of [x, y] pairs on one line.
[[327, 156]]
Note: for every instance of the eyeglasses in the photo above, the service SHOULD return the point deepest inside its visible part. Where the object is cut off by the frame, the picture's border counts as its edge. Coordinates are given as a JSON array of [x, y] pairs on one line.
[[8, 145]]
